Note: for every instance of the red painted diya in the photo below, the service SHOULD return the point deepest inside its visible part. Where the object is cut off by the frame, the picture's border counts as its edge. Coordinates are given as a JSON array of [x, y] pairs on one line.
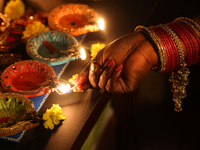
[[75, 19], [29, 78]]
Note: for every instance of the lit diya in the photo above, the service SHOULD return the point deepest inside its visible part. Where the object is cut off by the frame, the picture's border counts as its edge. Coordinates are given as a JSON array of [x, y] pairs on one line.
[[75, 19], [17, 113], [29, 78], [53, 47]]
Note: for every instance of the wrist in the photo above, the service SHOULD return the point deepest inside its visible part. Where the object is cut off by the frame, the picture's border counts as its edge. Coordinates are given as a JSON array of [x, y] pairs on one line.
[[145, 47], [149, 49]]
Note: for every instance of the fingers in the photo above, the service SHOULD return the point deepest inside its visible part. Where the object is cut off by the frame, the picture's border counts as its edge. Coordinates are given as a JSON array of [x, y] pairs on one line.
[[114, 84], [106, 72], [82, 80], [95, 77], [83, 86], [94, 73]]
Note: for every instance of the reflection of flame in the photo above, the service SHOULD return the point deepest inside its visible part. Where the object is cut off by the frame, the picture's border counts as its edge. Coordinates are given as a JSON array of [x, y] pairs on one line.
[[64, 87], [101, 24], [83, 54]]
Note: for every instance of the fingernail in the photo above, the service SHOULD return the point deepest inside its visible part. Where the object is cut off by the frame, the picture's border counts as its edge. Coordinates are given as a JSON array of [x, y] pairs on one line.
[[93, 67], [110, 62], [118, 67], [79, 88]]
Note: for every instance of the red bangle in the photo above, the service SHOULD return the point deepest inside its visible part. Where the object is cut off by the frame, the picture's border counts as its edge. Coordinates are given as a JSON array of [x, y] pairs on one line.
[[185, 41], [197, 39], [166, 51], [173, 47], [194, 49]]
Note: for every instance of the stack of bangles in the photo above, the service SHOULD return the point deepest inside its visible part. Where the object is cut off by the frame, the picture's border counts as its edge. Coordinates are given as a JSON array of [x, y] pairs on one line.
[[166, 39]]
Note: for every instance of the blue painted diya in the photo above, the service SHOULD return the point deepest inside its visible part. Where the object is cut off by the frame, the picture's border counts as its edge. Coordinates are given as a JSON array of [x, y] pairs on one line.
[[53, 47]]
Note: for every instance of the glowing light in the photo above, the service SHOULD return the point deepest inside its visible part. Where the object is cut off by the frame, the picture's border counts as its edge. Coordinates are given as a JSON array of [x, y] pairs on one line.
[[83, 54], [31, 17], [101, 24], [63, 88]]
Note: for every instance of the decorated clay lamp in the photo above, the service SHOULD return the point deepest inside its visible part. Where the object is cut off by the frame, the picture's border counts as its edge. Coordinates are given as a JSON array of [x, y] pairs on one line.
[[17, 113], [4, 22], [53, 47], [9, 36], [32, 78], [29, 78], [75, 19]]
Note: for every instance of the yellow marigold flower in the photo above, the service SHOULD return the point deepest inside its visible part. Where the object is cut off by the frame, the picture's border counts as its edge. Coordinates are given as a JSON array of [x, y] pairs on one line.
[[56, 108], [34, 28], [46, 115], [14, 9], [49, 124], [73, 77], [95, 48], [53, 116]]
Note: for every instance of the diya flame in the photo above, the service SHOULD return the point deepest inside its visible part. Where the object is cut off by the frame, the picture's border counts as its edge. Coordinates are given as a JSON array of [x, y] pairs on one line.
[[65, 88]]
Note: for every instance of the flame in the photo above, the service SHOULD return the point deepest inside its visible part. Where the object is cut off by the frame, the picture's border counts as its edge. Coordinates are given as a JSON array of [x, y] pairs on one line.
[[64, 87], [101, 24], [83, 54], [31, 17]]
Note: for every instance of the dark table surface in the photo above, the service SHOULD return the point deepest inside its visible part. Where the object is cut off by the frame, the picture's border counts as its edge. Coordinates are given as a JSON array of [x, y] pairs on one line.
[[83, 109]]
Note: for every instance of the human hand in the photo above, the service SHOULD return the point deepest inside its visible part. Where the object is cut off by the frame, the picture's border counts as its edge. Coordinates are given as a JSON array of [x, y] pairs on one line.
[[121, 66]]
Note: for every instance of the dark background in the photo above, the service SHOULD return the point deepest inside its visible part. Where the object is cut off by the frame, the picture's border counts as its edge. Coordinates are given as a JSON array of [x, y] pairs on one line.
[[145, 118]]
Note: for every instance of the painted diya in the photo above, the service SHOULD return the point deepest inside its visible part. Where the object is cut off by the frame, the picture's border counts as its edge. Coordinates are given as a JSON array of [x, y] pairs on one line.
[[9, 36], [17, 113], [4, 22], [75, 19], [29, 78], [53, 47]]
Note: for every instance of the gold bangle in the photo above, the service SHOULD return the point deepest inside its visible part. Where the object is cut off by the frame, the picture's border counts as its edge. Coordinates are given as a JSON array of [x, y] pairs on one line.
[[156, 42]]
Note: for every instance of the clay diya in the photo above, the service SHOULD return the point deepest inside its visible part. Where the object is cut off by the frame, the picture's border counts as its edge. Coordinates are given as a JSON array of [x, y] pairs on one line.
[[75, 19], [53, 47], [29, 78], [9, 36], [17, 113]]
